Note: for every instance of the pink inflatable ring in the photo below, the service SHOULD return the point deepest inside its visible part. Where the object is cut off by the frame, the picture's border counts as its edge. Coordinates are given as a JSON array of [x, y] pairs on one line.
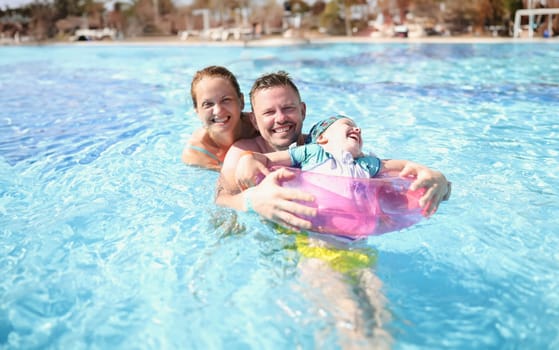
[[357, 208]]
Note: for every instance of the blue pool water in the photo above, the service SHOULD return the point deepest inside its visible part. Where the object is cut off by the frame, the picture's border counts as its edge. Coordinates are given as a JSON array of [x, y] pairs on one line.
[[108, 241]]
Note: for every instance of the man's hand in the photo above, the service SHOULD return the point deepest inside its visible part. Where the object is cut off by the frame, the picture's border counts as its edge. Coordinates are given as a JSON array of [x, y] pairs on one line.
[[436, 185], [279, 204]]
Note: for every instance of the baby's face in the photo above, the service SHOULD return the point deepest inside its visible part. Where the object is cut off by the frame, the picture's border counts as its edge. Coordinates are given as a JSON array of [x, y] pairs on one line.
[[345, 135]]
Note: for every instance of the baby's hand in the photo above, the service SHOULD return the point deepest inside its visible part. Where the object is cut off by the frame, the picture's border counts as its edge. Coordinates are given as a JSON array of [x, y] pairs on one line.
[[250, 167]]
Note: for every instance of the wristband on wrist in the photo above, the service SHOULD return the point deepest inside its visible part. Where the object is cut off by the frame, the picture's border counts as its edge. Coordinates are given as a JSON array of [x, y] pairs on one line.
[[247, 201]]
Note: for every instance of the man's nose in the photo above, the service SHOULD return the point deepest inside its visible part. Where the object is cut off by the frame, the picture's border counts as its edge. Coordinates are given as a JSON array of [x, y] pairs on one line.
[[280, 116]]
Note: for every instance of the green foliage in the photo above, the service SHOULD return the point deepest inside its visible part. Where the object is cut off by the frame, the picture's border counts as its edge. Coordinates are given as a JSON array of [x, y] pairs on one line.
[[299, 6], [512, 6], [65, 8], [330, 14]]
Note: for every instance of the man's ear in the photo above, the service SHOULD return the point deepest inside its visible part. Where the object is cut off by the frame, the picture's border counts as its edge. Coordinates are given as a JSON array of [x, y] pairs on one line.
[[303, 109], [252, 119]]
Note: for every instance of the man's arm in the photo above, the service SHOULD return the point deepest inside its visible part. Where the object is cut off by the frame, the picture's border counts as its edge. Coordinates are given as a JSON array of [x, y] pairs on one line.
[[268, 198], [436, 185]]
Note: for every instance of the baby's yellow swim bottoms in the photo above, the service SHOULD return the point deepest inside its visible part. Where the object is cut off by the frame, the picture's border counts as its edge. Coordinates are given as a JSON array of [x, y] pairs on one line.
[[344, 258]]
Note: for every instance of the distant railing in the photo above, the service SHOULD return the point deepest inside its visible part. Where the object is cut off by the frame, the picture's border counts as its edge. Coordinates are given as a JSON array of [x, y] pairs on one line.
[[531, 13]]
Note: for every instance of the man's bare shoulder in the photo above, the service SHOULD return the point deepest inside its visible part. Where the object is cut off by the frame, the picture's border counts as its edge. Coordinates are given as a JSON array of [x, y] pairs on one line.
[[254, 144]]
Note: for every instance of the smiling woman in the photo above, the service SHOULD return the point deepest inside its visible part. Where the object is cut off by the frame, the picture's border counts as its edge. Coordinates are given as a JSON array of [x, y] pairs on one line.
[[218, 102]]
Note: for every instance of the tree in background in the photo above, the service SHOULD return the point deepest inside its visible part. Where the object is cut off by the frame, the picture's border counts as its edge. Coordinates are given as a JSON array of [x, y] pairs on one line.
[[65, 8], [94, 12], [116, 19], [347, 17], [511, 6], [459, 16], [330, 19], [294, 17], [43, 16], [403, 8], [315, 12], [490, 12], [145, 15], [497, 14], [270, 15], [223, 8]]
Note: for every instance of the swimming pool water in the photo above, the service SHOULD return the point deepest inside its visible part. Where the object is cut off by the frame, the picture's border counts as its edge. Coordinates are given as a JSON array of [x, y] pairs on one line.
[[108, 241]]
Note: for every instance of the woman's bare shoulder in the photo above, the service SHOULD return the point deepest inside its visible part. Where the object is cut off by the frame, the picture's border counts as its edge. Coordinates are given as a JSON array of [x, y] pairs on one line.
[[197, 137]]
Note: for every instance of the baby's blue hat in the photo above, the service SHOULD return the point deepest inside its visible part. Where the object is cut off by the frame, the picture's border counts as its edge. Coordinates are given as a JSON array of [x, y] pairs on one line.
[[320, 127]]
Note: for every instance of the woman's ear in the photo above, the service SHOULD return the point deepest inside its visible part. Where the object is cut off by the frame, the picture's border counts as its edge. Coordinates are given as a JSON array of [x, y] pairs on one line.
[[242, 102]]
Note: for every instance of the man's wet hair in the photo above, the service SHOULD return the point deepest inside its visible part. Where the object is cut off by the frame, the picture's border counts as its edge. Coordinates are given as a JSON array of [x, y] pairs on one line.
[[271, 80]]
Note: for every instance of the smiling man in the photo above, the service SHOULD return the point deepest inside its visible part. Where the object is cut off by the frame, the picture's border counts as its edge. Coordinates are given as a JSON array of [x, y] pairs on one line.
[[278, 112]]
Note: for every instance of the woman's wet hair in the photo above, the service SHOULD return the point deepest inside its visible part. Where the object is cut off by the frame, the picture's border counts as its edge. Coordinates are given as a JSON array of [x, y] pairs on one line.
[[213, 72]]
